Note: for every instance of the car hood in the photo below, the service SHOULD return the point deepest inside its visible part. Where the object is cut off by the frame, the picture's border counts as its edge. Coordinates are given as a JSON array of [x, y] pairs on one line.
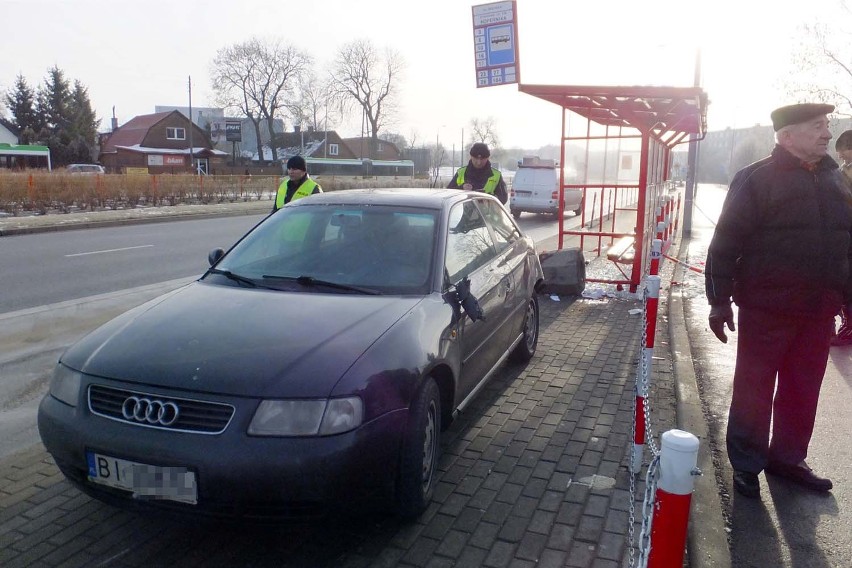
[[237, 341]]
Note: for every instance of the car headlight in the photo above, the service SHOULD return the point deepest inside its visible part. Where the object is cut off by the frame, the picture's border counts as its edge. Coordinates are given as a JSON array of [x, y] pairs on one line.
[[307, 417], [65, 385]]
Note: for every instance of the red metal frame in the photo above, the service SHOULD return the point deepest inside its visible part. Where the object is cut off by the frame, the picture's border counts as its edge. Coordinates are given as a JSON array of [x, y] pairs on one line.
[[661, 118]]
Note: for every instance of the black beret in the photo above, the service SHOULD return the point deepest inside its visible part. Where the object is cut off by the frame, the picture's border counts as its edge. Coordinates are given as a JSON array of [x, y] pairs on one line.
[[297, 163], [796, 114], [479, 150]]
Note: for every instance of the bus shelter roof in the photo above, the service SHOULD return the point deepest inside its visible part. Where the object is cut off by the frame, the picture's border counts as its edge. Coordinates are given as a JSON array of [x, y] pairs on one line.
[[667, 113]]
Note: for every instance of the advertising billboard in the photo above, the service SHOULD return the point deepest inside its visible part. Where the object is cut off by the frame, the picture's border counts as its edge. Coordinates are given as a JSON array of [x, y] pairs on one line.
[[233, 131]]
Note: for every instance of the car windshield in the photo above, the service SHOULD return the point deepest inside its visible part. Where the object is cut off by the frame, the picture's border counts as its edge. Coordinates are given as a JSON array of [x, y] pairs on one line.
[[345, 249]]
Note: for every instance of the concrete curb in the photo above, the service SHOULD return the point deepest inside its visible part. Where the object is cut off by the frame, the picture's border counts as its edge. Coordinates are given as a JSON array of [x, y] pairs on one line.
[[167, 216], [707, 542]]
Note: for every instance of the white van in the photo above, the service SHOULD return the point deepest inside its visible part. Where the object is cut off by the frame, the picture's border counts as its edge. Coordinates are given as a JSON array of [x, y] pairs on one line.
[[536, 189]]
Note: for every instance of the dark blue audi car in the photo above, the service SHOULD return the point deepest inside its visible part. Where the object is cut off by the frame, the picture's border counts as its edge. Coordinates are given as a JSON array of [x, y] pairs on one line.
[[312, 366]]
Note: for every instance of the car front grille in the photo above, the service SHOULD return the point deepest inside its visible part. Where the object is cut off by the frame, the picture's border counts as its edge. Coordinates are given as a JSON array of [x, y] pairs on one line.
[[194, 416]]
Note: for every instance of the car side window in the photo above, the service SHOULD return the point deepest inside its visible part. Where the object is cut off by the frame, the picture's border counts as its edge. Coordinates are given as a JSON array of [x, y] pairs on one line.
[[469, 243], [505, 231]]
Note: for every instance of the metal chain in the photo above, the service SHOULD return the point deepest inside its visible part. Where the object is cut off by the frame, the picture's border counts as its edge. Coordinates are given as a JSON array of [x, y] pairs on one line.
[[653, 468], [631, 531], [650, 436], [648, 511]]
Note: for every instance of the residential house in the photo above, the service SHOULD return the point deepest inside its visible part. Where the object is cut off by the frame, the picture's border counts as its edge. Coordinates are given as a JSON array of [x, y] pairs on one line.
[[328, 154], [383, 150], [159, 143], [8, 133]]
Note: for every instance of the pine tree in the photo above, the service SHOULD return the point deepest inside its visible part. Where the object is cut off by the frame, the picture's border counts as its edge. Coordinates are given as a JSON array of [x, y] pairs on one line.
[[21, 103], [54, 100], [84, 123]]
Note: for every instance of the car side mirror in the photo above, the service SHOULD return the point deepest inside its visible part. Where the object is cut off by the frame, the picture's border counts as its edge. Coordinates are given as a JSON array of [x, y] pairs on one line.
[[468, 301], [215, 255]]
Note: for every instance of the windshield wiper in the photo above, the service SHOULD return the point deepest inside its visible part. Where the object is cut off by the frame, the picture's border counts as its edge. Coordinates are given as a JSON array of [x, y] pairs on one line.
[[311, 281], [234, 277]]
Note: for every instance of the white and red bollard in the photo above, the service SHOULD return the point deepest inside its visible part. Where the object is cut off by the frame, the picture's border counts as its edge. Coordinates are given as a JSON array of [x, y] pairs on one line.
[[643, 375], [667, 216], [656, 254], [678, 460]]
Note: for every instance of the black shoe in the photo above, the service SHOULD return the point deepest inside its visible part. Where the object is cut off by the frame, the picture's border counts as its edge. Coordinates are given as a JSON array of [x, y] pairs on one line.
[[747, 484], [801, 474]]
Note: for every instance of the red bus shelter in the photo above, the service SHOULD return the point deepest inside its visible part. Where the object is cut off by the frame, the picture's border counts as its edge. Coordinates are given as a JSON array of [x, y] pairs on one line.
[[617, 147]]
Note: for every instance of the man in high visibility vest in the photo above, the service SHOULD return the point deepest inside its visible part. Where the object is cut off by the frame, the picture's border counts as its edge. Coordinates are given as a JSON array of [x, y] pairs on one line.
[[298, 184], [478, 175]]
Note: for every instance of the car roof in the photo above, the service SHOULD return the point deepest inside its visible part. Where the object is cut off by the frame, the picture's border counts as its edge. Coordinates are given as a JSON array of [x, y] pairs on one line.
[[400, 197]]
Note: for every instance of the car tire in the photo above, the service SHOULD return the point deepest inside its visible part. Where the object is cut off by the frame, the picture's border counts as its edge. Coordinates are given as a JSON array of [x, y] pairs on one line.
[[516, 213], [525, 350], [421, 448]]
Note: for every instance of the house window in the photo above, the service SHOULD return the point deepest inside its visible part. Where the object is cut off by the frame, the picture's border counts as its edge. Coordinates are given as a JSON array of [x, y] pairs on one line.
[[176, 133], [333, 150], [379, 147]]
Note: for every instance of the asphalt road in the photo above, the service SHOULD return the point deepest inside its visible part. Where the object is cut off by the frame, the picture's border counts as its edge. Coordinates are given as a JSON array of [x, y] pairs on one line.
[[46, 268]]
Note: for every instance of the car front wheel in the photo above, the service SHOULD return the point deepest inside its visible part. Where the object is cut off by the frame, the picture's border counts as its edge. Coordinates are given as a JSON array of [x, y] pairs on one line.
[[525, 350], [420, 451]]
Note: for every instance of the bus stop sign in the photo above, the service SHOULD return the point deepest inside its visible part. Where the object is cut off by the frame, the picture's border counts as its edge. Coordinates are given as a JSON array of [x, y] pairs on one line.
[[495, 44]]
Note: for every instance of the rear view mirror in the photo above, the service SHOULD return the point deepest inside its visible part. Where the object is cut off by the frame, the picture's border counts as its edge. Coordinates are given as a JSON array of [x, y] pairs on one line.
[[468, 301], [215, 255]]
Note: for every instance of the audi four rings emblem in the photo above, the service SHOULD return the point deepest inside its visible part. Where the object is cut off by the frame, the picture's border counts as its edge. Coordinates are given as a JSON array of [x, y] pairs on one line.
[[148, 411]]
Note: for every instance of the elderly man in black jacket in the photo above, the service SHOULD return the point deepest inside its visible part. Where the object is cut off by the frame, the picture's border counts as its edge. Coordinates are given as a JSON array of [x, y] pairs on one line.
[[781, 252]]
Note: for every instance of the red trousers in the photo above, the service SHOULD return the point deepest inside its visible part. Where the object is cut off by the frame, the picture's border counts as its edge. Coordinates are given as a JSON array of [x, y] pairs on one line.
[[781, 362]]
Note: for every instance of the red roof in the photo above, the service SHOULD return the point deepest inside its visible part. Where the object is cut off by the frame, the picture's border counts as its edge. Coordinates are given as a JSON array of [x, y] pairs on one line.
[[134, 130]]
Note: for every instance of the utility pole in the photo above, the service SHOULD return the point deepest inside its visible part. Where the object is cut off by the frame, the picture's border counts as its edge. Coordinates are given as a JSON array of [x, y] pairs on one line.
[[691, 160], [191, 153]]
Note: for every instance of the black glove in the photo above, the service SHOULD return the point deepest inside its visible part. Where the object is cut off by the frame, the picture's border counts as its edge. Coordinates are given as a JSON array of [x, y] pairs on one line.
[[719, 316]]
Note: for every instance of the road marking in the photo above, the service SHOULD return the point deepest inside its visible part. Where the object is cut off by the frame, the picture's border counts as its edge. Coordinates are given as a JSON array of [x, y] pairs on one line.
[[108, 250]]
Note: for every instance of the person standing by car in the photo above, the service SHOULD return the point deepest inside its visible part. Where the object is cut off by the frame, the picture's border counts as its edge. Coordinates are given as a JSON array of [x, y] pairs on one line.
[[781, 250], [478, 175], [843, 147], [297, 185]]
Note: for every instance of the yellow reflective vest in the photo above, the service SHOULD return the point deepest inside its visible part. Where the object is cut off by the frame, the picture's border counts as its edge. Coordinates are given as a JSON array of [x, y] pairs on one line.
[[303, 190], [490, 185]]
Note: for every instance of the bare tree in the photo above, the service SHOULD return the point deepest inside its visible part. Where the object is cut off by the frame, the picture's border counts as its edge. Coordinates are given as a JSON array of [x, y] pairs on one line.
[[369, 82], [485, 130], [318, 106], [823, 60], [260, 79], [396, 139]]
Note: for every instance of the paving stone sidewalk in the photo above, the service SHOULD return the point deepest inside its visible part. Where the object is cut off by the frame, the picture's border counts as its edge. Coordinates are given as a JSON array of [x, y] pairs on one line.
[[534, 473]]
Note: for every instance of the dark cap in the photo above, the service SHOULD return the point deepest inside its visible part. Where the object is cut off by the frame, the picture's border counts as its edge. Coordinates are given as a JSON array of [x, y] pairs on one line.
[[796, 114], [479, 150], [297, 163]]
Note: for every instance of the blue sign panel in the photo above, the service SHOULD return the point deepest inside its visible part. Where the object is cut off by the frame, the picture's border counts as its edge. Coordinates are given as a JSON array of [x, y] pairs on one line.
[[495, 46]]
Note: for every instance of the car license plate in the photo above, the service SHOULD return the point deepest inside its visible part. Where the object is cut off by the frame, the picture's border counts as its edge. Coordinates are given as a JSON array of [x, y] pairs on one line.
[[143, 480], [524, 193]]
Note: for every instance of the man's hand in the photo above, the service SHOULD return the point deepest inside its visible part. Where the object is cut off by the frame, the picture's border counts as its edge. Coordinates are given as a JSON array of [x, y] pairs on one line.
[[719, 316], [467, 186]]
